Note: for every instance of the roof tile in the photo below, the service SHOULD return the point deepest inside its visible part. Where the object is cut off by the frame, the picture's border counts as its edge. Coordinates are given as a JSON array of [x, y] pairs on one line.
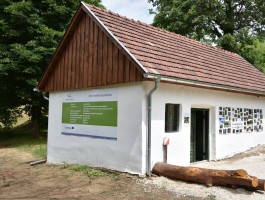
[[169, 54]]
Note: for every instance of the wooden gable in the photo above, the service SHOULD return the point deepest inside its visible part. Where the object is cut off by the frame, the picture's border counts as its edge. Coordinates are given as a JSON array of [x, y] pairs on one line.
[[88, 57]]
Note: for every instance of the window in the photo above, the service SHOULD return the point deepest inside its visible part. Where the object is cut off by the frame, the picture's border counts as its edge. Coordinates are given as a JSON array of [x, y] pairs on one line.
[[172, 118]]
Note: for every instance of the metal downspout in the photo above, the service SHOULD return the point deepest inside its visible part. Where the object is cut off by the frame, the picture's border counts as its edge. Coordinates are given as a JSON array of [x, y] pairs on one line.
[[149, 123], [43, 93], [46, 98]]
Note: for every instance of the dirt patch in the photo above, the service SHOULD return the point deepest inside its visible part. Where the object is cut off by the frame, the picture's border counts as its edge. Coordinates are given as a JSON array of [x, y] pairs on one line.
[[19, 180]]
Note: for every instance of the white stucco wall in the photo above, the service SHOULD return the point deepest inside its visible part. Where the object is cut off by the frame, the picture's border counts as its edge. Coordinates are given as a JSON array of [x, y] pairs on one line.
[[128, 153], [125, 154], [189, 97]]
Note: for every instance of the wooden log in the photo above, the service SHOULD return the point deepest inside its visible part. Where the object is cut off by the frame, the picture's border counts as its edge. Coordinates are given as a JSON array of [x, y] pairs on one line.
[[208, 177], [261, 185]]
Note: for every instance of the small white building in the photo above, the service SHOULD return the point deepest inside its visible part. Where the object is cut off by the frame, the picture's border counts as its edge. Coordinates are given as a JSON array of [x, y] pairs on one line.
[[118, 89]]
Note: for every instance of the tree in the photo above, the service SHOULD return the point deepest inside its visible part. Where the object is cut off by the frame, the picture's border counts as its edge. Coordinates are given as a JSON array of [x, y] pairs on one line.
[[212, 18], [222, 22], [30, 32], [257, 54]]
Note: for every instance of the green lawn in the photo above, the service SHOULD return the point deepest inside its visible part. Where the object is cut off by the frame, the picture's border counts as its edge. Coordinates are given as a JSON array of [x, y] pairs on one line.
[[23, 140]]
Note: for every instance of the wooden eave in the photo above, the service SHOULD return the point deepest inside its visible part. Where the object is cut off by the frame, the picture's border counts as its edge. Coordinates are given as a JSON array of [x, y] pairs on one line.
[[82, 10], [61, 45]]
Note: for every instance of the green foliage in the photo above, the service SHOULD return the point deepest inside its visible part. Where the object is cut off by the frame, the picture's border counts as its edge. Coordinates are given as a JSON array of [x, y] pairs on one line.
[[228, 42], [30, 32], [214, 18], [257, 54], [233, 25], [9, 116], [249, 47]]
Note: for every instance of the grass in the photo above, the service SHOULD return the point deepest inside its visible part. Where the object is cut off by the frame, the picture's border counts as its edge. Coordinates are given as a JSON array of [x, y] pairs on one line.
[[114, 175], [79, 168], [212, 197], [91, 172], [23, 140]]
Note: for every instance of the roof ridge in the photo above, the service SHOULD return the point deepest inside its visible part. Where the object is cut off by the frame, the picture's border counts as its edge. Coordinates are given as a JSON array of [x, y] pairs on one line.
[[164, 30], [117, 14]]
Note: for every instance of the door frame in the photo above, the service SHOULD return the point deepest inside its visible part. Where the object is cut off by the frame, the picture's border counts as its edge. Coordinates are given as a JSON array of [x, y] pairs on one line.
[[206, 130]]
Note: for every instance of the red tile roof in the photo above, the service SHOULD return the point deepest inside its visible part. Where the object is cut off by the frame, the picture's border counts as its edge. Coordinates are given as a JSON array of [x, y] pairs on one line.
[[168, 54]]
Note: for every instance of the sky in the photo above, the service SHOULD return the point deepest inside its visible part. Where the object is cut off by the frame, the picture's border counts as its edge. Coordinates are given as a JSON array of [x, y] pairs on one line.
[[135, 9]]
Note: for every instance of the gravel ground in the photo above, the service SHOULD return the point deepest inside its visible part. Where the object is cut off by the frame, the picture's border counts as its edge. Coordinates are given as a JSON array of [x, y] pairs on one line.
[[253, 161]]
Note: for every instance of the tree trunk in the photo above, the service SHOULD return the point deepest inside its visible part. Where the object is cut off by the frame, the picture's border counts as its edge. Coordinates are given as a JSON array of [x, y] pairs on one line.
[[36, 115], [208, 177]]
